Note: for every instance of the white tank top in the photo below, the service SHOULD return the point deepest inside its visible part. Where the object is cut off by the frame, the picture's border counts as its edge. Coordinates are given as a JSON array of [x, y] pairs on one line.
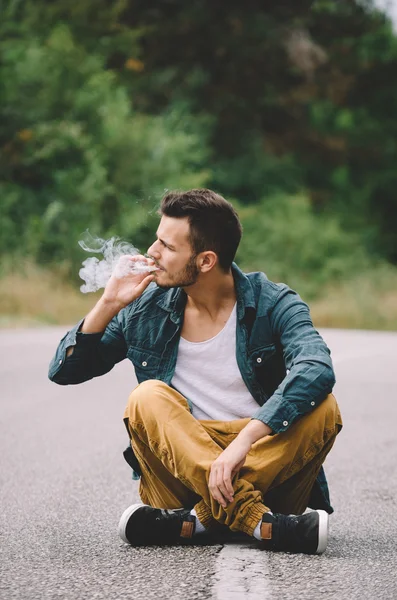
[[208, 375]]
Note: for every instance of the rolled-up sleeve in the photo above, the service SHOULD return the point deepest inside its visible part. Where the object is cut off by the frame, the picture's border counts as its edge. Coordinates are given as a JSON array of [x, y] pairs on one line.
[[310, 374], [93, 354]]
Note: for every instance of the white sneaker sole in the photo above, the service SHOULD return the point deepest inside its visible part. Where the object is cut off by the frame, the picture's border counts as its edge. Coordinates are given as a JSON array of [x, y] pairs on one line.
[[323, 525], [124, 520]]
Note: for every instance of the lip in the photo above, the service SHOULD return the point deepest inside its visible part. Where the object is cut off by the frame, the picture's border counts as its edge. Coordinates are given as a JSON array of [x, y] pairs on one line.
[[155, 263]]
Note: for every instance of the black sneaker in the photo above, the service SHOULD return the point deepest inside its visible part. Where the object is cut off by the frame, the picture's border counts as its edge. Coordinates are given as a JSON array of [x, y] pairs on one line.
[[303, 533], [142, 525]]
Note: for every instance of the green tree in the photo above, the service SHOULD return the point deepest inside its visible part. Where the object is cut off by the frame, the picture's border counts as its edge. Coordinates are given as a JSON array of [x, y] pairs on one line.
[[76, 155]]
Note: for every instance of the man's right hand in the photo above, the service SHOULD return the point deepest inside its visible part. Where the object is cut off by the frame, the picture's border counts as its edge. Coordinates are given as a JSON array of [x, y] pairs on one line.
[[125, 286], [119, 292]]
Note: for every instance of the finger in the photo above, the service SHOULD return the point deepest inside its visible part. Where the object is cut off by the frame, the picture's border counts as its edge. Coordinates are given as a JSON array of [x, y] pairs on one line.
[[221, 488], [212, 477], [211, 481], [238, 467], [226, 488], [150, 259], [137, 257], [225, 493], [216, 494], [227, 481], [214, 489], [141, 287]]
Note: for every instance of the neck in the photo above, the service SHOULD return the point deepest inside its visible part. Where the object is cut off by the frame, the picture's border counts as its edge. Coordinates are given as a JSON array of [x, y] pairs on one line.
[[212, 293]]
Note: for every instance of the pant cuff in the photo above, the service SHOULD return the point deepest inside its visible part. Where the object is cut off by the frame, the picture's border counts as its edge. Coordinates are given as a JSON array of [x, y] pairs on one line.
[[204, 515], [249, 521]]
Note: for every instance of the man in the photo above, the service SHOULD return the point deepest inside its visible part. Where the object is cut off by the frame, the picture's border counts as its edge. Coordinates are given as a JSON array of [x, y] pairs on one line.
[[233, 415]]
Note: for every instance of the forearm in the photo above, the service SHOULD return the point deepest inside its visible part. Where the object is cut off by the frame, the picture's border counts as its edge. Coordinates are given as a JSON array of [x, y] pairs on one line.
[[97, 319], [254, 431], [100, 316]]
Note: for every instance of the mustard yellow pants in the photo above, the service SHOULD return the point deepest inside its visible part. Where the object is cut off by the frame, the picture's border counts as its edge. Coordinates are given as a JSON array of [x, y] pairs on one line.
[[175, 452]]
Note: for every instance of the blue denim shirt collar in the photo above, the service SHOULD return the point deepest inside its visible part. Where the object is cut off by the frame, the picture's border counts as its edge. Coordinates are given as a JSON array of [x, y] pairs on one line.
[[174, 301]]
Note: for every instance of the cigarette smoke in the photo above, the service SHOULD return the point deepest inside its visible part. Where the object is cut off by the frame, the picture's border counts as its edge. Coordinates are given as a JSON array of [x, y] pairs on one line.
[[96, 273]]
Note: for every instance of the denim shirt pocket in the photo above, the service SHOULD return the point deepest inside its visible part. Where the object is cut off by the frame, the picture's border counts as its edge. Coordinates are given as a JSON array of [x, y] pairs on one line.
[[267, 368], [260, 356], [146, 363]]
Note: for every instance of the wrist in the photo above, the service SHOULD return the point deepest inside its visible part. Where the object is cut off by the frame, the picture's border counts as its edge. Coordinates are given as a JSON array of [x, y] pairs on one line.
[[109, 306], [100, 316], [254, 431]]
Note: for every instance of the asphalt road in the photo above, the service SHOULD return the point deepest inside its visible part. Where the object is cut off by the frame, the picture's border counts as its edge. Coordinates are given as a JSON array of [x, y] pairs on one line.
[[64, 484]]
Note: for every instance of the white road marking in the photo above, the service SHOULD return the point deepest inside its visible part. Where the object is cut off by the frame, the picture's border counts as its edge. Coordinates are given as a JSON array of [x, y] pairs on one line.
[[242, 573]]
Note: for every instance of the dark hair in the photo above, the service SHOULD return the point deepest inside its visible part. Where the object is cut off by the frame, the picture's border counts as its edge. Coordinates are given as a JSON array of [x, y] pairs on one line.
[[214, 223]]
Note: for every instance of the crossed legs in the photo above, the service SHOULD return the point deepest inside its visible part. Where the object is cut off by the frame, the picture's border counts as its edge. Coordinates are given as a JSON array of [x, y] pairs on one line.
[[176, 451]]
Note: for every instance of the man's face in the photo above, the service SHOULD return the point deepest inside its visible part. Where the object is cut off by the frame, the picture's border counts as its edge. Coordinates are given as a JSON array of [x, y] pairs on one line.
[[173, 254]]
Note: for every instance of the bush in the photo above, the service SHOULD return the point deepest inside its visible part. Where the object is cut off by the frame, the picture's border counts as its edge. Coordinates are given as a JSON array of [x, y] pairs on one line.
[[287, 240], [76, 155]]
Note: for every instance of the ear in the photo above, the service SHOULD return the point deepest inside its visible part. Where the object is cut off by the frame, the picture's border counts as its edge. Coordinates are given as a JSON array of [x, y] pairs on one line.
[[206, 261]]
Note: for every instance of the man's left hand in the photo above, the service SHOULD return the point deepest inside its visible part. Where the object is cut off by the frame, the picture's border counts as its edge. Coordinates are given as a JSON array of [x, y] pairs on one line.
[[225, 467], [232, 459]]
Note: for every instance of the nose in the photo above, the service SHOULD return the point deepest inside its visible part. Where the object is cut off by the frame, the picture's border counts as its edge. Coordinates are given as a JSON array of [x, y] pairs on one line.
[[154, 250]]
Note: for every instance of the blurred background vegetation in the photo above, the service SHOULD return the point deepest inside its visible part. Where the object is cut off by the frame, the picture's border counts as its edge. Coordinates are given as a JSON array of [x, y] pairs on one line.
[[287, 108]]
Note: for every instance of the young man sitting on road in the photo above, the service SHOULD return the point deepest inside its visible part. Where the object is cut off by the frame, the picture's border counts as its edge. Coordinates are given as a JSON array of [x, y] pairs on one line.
[[233, 416]]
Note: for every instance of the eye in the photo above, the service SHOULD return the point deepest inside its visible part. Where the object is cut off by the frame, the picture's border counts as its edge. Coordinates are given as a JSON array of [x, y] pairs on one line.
[[166, 246]]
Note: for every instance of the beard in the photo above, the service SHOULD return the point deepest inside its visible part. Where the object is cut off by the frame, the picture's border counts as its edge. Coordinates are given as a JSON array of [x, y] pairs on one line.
[[183, 278]]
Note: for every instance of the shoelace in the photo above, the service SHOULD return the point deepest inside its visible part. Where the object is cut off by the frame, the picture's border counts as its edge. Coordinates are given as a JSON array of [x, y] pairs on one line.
[[168, 522]]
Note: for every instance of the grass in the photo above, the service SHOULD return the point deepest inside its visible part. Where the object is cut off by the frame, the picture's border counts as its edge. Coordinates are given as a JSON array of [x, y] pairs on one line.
[[369, 301], [36, 297]]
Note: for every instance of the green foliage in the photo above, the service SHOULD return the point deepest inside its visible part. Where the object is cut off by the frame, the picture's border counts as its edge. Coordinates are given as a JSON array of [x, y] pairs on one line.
[[75, 154], [284, 238], [303, 95], [288, 107], [255, 173]]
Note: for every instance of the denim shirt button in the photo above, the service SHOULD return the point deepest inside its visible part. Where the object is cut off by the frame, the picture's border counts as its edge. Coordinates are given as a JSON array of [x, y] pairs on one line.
[[259, 360], [285, 423], [144, 364], [312, 403], [60, 361]]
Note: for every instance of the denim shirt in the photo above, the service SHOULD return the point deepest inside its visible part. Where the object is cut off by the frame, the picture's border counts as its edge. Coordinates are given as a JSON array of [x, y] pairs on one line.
[[283, 360]]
